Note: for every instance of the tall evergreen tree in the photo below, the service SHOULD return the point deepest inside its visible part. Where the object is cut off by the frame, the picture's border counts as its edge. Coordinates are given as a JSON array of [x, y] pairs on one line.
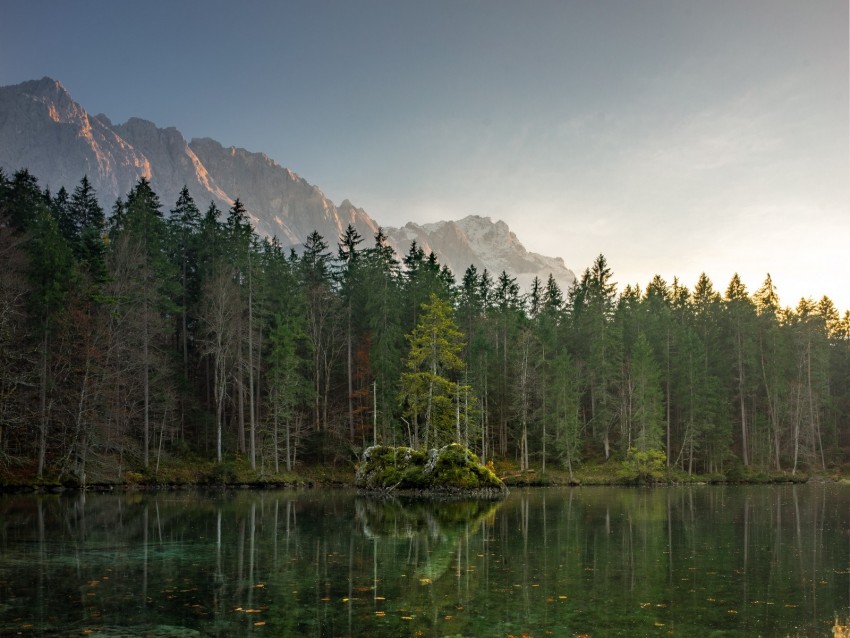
[[431, 389], [51, 272], [145, 231]]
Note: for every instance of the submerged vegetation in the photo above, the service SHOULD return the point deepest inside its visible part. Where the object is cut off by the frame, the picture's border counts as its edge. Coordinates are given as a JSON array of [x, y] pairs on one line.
[[151, 346]]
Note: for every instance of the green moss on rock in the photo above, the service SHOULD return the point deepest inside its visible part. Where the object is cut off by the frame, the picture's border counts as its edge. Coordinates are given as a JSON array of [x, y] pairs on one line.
[[452, 468]]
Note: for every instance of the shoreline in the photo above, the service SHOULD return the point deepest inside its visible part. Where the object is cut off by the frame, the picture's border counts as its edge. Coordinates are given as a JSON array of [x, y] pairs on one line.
[[310, 484]]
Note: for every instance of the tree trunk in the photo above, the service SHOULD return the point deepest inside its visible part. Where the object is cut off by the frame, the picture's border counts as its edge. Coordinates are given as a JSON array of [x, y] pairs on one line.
[[42, 403], [350, 381], [252, 422], [145, 347]]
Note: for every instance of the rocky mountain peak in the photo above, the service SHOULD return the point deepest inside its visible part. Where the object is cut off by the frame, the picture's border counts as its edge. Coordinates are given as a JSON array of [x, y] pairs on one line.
[[46, 87], [43, 129], [479, 241]]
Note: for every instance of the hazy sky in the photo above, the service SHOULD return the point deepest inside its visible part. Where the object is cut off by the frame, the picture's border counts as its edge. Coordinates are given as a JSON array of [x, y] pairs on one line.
[[672, 136]]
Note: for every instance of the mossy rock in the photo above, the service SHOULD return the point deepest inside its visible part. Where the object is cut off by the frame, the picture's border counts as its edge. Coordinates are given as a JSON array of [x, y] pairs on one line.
[[452, 468]]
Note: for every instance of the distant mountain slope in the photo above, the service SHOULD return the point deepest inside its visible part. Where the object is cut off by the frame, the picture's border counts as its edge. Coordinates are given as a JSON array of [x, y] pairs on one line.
[[486, 244], [43, 129]]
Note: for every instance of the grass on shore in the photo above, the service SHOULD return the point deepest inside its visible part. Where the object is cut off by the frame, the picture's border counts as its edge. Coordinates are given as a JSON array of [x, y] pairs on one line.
[[176, 471]]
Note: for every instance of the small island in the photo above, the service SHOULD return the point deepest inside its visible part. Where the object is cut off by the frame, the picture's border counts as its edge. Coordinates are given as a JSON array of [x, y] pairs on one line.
[[449, 471]]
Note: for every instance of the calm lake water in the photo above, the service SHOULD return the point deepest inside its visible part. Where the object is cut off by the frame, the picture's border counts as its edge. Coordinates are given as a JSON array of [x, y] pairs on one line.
[[696, 561]]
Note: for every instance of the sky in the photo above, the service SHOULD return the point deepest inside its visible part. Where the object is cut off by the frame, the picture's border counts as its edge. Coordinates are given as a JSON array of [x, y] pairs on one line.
[[673, 136]]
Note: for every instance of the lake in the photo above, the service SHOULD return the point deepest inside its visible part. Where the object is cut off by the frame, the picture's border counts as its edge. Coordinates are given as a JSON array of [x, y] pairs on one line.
[[691, 561]]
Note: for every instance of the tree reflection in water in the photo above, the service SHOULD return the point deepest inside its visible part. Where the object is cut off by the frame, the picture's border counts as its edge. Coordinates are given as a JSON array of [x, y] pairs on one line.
[[744, 561]]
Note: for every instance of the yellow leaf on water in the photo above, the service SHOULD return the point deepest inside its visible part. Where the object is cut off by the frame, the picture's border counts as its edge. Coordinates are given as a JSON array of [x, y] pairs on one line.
[[259, 623]]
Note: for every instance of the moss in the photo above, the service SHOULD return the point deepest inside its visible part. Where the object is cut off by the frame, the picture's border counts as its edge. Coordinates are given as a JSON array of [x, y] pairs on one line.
[[403, 468]]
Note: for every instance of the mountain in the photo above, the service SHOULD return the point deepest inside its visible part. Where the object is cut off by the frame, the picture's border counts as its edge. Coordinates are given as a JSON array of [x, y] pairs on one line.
[[486, 244], [44, 130]]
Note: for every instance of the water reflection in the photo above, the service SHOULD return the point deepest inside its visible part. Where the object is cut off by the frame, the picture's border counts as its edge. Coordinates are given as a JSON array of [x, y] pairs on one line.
[[766, 561], [431, 533]]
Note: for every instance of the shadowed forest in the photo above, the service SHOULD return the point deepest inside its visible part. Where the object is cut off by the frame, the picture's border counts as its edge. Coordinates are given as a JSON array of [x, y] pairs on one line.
[[160, 331]]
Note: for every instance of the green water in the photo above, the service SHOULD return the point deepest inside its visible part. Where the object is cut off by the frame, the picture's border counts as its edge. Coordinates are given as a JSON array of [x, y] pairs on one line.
[[697, 561]]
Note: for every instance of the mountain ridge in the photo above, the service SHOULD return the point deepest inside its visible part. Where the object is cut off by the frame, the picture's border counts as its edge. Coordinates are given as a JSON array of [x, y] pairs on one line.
[[44, 130]]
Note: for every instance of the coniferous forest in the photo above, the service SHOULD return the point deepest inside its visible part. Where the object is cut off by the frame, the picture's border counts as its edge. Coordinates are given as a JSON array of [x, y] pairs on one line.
[[161, 330]]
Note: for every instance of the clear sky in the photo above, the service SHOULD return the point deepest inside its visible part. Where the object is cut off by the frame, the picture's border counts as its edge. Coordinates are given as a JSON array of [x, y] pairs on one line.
[[673, 136]]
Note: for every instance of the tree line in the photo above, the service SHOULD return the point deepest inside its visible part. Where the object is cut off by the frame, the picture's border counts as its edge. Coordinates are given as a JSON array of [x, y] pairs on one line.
[[153, 333]]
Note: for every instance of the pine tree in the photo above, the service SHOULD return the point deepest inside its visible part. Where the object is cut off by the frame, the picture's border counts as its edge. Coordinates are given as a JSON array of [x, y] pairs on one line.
[[144, 234], [740, 316], [184, 224], [431, 388], [599, 347], [51, 272], [350, 284], [382, 307], [647, 407], [565, 392], [322, 321]]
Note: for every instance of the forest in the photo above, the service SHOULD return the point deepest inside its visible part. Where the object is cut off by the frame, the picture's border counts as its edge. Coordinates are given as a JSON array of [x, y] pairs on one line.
[[159, 332]]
